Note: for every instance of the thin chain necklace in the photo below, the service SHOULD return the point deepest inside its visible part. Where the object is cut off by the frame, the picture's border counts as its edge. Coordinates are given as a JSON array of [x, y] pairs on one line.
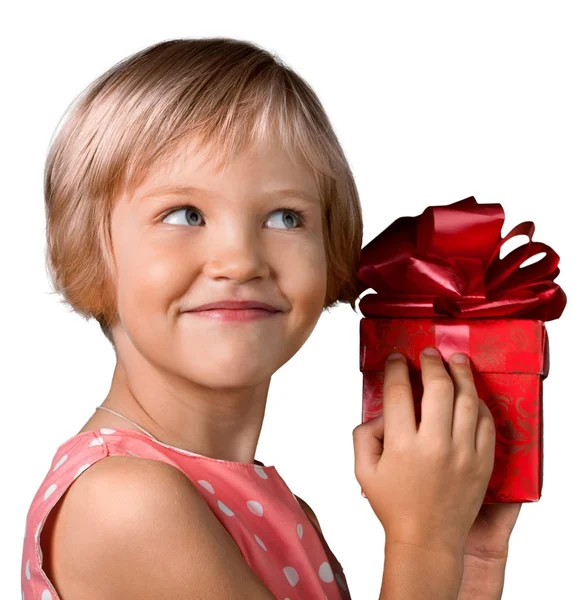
[[256, 462], [127, 419]]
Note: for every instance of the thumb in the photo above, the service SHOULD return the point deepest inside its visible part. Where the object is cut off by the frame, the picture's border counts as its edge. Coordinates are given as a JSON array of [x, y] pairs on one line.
[[368, 444]]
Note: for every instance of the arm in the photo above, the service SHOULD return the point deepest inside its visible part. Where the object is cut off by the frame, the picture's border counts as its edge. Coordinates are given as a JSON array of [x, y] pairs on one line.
[[486, 551], [415, 573], [483, 579], [138, 528]]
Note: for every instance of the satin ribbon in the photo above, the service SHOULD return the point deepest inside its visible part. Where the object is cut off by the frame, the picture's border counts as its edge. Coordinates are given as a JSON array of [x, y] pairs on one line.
[[452, 338], [445, 262]]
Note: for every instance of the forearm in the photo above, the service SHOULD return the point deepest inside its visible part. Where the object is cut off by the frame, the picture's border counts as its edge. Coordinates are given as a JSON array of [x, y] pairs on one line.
[[482, 579], [415, 573]]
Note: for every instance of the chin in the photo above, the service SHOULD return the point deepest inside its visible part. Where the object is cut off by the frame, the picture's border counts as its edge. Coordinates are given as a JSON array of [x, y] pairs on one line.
[[229, 377]]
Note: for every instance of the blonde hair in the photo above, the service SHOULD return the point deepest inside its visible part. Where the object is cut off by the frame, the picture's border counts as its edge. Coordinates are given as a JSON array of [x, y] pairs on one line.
[[230, 93]]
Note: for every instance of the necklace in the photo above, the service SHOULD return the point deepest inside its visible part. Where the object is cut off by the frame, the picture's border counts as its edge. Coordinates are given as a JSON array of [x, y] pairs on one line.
[[256, 462], [127, 419]]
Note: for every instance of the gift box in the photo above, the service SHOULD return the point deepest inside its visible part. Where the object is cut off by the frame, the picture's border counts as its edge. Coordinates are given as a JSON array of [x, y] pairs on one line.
[[439, 281]]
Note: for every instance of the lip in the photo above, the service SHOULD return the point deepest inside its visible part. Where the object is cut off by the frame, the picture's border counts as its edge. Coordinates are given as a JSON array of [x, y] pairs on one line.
[[235, 314], [235, 305]]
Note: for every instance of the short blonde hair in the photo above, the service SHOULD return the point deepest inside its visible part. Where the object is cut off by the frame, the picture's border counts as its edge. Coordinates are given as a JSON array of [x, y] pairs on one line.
[[228, 92]]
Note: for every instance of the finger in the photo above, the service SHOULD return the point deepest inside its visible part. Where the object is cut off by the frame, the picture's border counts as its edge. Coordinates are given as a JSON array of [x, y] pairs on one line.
[[466, 409], [398, 406], [485, 434], [438, 394], [368, 444]]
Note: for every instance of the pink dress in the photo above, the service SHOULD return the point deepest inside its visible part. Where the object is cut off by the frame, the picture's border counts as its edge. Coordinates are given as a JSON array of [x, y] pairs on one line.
[[253, 503]]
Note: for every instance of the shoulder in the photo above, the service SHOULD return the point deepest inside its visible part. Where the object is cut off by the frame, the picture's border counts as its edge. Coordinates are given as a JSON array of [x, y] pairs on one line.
[[144, 518]]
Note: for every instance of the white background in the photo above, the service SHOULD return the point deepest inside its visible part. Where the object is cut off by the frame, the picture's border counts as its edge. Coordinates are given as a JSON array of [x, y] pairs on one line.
[[433, 102]]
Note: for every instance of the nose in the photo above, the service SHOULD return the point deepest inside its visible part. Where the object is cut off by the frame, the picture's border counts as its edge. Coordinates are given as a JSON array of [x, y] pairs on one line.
[[236, 255]]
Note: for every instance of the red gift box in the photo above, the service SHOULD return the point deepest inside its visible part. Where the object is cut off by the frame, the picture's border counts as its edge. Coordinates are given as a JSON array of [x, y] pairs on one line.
[[440, 282], [509, 359]]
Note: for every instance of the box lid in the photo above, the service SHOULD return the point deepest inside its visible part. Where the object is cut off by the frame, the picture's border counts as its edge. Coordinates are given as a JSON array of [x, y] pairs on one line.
[[493, 345]]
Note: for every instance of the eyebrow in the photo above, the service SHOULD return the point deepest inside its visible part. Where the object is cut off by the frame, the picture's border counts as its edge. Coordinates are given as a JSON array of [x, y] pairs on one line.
[[187, 190]]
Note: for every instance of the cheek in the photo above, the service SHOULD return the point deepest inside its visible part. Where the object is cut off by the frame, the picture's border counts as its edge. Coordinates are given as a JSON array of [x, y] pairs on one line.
[[305, 285], [150, 277], [309, 274], [307, 292]]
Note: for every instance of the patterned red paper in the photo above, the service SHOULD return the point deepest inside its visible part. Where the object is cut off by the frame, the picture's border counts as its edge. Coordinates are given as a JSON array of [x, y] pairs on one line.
[[509, 359], [440, 282]]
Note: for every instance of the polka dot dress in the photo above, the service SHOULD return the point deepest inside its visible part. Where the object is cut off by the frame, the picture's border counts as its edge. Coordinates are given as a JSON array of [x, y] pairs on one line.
[[253, 503]]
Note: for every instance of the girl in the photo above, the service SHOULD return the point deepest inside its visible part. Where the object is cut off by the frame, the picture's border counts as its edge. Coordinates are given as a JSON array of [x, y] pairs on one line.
[[199, 206], [194, 172]]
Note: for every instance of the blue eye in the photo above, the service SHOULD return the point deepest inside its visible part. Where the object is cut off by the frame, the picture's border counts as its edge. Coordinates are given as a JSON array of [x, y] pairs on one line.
[[190, 211], [187, 209], [297, 213]]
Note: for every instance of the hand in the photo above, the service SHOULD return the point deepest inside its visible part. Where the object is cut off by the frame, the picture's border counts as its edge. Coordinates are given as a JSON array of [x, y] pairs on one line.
[[486, 551], [489, 535], [427, 485]]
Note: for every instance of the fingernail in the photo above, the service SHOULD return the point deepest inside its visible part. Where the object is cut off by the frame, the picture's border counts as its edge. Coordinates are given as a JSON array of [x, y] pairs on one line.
[[431, 351], [395, 356], [459, 357]]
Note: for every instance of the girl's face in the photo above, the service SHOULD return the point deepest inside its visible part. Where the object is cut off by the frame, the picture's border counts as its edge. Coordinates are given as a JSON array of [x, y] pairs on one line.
[[232, 241]]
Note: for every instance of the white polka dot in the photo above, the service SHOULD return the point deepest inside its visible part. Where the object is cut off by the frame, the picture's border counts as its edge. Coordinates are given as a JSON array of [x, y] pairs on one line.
[[225, 509], [340, 581], [300, 530], [49, 491], [97, 441], [291, 575], [107, 431], [27, 571], [260, 471], [255, 507], [46, 595], [206, 485], [325, 572], [83, 468], [262, 545], [60, 462], [37, 531]]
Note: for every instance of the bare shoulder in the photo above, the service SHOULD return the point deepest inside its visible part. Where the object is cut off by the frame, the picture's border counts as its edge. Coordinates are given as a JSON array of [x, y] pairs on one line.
[[131, 527]]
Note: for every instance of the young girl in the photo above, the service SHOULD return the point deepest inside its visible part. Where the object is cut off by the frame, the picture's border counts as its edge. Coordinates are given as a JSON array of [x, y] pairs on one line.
[[194, 172], [199, 206]]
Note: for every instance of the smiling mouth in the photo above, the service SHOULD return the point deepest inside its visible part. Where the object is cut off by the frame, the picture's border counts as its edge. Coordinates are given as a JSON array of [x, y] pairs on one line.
[[235, 314]]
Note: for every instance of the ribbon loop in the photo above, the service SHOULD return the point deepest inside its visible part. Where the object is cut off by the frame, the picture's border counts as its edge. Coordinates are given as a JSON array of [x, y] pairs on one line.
[[445, 262]]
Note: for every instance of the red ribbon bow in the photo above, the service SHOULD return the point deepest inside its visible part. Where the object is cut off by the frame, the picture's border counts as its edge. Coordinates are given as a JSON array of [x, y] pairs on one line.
[[445, 262]]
